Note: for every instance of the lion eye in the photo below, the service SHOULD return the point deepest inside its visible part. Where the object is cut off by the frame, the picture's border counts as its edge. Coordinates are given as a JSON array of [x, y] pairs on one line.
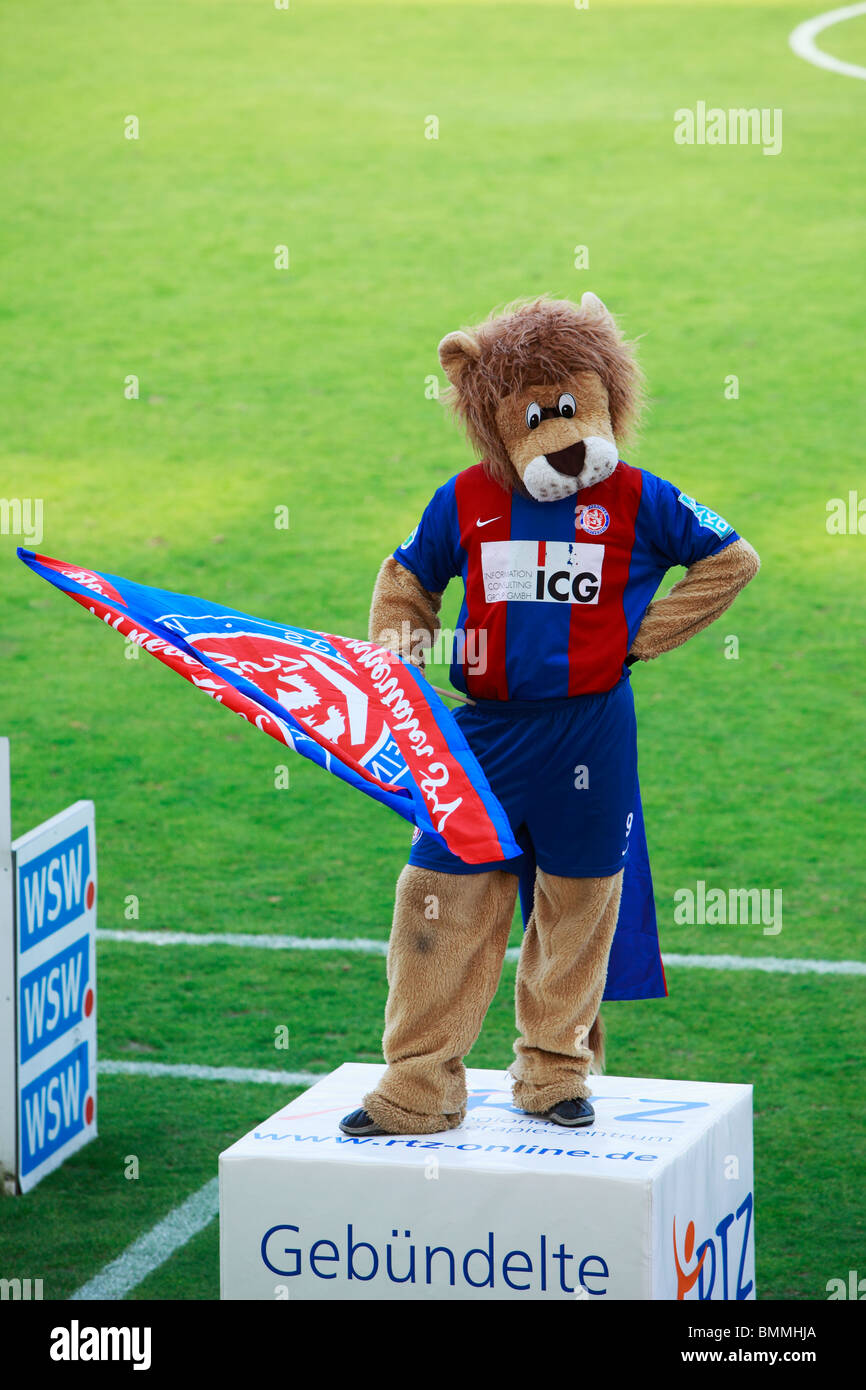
[[567, 406], [533, 415]]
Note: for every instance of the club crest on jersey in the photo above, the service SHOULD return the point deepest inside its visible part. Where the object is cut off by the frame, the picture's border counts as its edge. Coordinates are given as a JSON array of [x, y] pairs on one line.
[[593, 519]]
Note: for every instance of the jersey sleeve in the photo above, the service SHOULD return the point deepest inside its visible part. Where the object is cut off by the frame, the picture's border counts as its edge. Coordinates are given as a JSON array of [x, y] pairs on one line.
[[432, 551], [682, 530]]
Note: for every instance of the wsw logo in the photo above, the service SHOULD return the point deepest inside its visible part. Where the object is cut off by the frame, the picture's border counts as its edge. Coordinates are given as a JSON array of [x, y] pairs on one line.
[[54, 889], [54, 998], [717, 1265], [55, 1107]]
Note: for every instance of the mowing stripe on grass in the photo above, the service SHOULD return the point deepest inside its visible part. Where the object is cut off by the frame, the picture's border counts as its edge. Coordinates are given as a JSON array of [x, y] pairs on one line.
[[802, 41], [784, 965], [189, 1071], [153, 1249]]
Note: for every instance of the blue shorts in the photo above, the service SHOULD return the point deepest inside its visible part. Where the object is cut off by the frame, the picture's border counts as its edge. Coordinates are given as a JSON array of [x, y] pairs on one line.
[[565, 773]]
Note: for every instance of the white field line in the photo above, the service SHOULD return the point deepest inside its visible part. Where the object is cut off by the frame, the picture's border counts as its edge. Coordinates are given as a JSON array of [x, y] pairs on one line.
[[802, 41], [153, 1249], [259, 941], [784, 965], [187, 1071]]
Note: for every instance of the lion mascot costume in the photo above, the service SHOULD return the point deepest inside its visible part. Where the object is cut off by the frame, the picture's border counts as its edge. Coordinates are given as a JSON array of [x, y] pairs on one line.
[[560, 546]]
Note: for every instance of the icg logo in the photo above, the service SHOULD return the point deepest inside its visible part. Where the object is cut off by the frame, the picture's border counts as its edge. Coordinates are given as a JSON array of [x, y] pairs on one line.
[[541, 571], [565, 587], [719, 1262]]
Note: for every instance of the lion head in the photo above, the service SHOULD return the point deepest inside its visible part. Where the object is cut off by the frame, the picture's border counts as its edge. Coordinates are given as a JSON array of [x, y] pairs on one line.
[[545, 388]]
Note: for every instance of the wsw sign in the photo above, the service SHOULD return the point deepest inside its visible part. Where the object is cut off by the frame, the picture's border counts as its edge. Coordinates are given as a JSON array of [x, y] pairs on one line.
[[52, 888], [48, 1023]]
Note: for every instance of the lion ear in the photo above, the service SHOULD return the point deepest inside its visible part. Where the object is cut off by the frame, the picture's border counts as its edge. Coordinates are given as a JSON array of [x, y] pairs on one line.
[[456, 351], [590, 303]]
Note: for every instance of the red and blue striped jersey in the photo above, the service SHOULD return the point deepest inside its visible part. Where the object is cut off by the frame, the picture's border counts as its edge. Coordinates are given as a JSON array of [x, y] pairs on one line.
[[554, 591]]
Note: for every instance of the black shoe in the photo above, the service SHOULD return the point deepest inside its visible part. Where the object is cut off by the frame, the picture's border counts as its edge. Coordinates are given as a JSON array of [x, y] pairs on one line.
[[359, 1122], [572, 1113]]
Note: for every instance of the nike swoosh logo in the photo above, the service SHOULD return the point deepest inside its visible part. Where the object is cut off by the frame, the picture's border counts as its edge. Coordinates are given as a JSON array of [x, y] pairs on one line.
[[487, 522]]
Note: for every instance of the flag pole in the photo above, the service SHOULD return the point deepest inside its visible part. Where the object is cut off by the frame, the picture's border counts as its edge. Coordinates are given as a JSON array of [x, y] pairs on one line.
[[451, 695]]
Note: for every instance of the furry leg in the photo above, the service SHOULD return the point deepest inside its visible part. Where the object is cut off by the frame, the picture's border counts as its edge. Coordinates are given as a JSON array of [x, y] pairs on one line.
[[595, 1043], [560, 982], [445, 957]]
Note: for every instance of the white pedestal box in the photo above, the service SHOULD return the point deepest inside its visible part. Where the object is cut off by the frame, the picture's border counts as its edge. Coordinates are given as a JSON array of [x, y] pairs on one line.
[[653, 1201]]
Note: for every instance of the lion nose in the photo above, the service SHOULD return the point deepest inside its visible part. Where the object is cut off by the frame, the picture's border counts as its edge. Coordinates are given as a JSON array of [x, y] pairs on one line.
[[569, 461]]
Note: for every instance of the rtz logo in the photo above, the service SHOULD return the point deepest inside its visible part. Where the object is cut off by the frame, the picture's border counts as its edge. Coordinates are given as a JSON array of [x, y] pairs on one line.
[[714, 1263], [541, 571]]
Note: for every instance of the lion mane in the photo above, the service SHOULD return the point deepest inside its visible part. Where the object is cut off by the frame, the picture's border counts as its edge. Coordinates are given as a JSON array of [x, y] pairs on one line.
[[536, 342]]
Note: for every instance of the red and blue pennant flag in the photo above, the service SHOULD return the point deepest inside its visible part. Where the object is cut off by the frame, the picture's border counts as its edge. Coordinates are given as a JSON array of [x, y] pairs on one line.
[[362, 713], [354, 708]]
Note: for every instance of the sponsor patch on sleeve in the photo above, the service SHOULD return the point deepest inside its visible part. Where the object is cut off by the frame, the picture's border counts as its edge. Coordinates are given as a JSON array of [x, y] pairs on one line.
[[410, 538], [706, 516]]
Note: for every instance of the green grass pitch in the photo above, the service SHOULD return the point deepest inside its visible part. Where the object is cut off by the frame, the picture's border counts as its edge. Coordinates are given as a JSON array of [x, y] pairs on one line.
[[307, 387]]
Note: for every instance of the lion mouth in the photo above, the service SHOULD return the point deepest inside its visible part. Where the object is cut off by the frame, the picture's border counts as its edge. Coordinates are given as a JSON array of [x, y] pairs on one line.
[[569, 461], [550, 477]]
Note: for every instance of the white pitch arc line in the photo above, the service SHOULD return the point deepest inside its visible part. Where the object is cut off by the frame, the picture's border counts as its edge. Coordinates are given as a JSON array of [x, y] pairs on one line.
[[802, 41], [785, 965], [121, 1276]]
